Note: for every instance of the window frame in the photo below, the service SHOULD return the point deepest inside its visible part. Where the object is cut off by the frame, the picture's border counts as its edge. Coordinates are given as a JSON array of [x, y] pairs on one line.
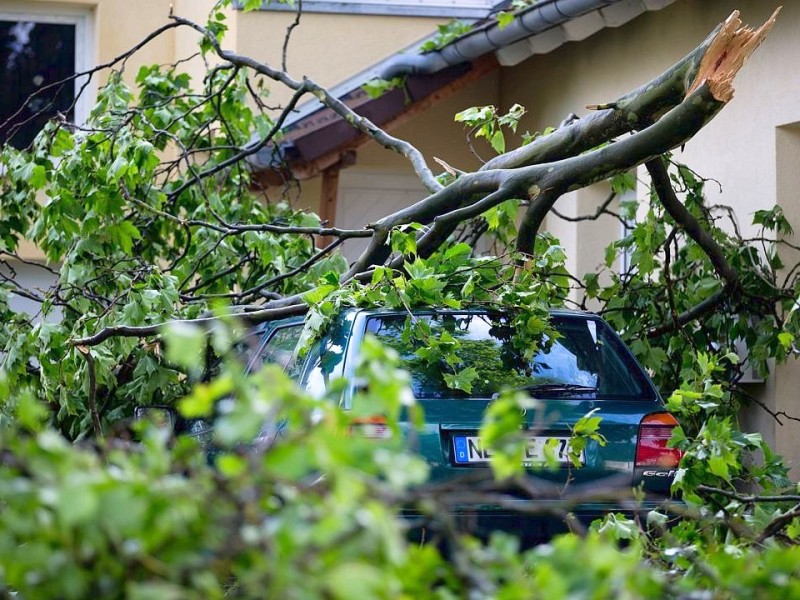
[[82, 17]]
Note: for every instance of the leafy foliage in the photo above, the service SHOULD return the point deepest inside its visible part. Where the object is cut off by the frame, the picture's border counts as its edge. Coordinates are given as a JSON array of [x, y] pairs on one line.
[[141, 238], [446, 34], [486, 123]]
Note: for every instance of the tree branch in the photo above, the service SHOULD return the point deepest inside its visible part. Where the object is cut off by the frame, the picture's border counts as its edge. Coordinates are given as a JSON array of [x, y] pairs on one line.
[[363, 124], [684, 219]]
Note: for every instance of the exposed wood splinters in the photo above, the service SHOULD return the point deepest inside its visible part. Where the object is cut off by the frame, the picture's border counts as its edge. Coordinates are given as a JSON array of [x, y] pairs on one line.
[[727, 53]]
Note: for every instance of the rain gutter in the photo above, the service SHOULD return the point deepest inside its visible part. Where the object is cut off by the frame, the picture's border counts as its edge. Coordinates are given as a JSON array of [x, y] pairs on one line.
[[538, 18]]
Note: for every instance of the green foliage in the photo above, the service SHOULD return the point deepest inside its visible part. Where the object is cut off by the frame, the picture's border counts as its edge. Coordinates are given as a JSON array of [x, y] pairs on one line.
[[446, 34], [319, 513], [375, 88], [156, 519], [505, 18], [127, 225], [484, 122], [721, 456]]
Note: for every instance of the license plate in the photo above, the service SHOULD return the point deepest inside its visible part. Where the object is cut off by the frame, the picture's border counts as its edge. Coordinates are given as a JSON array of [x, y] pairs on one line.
[[469, 450]]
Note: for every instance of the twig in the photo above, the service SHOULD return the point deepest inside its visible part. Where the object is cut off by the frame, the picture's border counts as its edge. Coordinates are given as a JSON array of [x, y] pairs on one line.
[[92, 395], [298, 13]]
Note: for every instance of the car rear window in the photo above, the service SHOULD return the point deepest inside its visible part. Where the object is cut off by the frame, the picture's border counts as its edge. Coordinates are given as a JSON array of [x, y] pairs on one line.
[[585, 353]]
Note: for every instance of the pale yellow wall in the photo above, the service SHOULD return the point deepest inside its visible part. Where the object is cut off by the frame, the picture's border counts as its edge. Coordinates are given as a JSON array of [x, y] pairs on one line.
[[186, 39], [329, 48], [787, 380]]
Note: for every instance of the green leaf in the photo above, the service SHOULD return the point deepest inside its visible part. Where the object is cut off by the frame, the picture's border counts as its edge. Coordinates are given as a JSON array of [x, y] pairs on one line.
[[118, 168], [462, 380], [375, 88], [404, 243], [504, 19], [38, 177], [498, 142], [719, 467], [786, 340], [623, 182], [185, 345]]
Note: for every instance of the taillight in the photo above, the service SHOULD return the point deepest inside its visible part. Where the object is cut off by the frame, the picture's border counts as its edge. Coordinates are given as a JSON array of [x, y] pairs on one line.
[[651, 449], [374, 427]]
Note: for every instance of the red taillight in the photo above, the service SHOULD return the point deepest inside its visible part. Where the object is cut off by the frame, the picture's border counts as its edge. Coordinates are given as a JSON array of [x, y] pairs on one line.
[[651, 449], [374, 427]]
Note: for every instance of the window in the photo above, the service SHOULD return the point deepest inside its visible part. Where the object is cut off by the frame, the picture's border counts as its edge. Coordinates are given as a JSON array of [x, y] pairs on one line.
[[465, 9], [586, 359], [281, 349], [41, 45]]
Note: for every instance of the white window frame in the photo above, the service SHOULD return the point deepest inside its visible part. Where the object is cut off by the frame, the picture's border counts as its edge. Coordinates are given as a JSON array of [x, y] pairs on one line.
[[82, 18]]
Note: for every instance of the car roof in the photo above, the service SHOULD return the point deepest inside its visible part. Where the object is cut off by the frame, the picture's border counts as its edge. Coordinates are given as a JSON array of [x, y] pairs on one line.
[[469, 309], [426, 310]]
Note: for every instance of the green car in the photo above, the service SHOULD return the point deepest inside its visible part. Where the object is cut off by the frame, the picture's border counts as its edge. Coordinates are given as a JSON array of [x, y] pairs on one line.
[[584, 367]]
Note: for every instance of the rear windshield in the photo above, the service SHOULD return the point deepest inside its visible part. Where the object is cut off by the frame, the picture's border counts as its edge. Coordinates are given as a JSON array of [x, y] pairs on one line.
[[586, 360]]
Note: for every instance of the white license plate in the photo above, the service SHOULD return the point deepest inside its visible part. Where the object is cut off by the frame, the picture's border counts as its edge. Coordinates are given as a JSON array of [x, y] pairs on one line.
[[470, 450]]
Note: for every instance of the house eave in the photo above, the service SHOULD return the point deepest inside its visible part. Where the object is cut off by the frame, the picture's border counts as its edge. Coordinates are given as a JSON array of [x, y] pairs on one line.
[[313, 132]]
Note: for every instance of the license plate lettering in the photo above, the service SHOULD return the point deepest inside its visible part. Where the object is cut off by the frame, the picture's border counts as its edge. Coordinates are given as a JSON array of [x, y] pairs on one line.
[[470, 450]]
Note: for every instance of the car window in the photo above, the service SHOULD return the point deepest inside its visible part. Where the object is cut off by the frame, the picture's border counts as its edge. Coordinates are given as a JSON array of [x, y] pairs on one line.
[[281, 349], [585, 353]]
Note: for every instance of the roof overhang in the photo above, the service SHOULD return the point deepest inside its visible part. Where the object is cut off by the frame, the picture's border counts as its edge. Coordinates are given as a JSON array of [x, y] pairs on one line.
[[315, 138]]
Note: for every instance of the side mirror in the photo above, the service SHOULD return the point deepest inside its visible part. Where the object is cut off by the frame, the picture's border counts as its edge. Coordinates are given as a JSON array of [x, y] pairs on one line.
[[161, 416]]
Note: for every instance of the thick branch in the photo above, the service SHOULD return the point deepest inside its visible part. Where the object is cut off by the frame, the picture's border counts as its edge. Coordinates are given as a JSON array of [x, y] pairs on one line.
[[646, 103], [534, 216], [251, 317], [672, 130], [699, 310], [684, 219]]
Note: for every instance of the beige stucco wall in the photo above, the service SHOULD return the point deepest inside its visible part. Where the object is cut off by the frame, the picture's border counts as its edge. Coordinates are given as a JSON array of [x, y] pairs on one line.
[[329, 48], [752, 147]]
